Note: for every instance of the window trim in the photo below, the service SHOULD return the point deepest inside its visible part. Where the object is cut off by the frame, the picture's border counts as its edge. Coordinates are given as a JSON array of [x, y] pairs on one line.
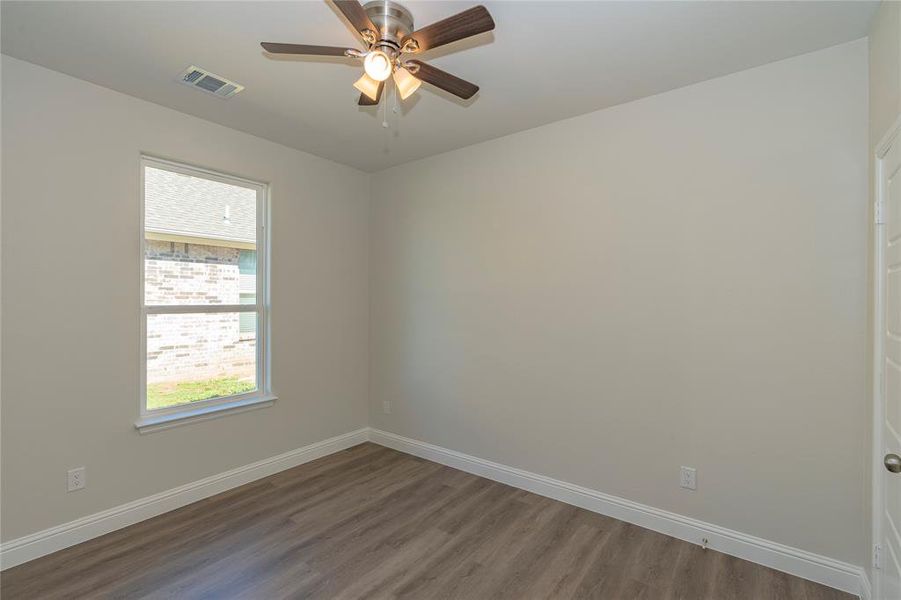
[[163, 418]]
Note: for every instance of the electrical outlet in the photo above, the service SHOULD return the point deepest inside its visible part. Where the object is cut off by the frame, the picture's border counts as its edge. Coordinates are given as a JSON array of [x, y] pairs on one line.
[[77, 479], [688, 478], [386, 407]]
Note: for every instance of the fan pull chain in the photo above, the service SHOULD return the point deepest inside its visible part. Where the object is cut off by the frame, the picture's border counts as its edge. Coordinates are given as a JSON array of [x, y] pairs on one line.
[[385, 107], [396, 108]]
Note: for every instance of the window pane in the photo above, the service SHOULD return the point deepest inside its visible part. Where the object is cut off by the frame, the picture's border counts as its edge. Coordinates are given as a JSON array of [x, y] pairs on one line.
[[200, 240], [198, 356]]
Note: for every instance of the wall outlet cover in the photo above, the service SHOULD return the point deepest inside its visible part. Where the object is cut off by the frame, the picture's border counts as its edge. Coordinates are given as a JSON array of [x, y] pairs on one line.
[[77, 479], [688, 478]]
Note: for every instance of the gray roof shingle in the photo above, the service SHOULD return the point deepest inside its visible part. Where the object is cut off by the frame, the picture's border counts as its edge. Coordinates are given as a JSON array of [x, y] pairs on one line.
[[192, 206]]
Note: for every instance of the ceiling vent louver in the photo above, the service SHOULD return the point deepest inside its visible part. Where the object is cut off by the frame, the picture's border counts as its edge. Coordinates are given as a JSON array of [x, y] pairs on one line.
[[209, 82]]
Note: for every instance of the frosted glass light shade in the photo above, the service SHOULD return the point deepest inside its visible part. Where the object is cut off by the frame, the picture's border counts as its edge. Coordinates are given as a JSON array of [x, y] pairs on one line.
[[377, 65], [406, 83], [369, 86]]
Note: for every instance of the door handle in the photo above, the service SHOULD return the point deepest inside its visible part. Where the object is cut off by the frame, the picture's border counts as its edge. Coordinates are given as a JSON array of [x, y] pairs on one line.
[[892, 463]]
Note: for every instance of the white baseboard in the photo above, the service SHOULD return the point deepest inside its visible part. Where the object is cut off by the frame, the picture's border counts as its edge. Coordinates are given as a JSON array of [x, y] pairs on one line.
[[834, 573], [38, 544], [866, 590], [821, 569]]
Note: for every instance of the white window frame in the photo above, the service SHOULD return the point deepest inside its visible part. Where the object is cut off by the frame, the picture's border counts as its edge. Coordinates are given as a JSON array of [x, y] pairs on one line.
[[163, 418]]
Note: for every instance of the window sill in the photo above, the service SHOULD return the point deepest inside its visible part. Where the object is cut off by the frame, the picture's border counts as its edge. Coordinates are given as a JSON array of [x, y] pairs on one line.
[[151, 423]]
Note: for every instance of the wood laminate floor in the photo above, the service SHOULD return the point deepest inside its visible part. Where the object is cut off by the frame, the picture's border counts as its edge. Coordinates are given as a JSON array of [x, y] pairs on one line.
[[370, 522]]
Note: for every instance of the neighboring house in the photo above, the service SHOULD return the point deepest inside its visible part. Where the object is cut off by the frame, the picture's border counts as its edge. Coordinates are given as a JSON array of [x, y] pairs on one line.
[[200, 248]]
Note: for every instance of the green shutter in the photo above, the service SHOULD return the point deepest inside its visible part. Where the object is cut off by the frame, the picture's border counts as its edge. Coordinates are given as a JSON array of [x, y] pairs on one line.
[[247, 267], [248, 320], [247, 262]]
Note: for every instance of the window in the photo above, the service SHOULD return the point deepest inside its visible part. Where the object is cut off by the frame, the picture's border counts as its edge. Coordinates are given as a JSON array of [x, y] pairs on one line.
[[204, 285]]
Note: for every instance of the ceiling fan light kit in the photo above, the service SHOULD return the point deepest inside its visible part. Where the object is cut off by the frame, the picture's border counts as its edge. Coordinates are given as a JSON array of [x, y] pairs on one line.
[[378, 65], [405, 82], [386, 28], [368, 86]]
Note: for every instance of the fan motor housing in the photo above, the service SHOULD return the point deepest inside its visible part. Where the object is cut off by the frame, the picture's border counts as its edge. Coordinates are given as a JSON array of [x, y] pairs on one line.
[[393, 20]]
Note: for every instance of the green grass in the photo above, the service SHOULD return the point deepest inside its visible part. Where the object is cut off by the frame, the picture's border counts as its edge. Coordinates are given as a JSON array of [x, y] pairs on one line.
[[162, 395]]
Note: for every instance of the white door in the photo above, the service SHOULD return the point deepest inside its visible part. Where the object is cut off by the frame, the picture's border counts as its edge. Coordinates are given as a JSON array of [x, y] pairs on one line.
[[888, 373]]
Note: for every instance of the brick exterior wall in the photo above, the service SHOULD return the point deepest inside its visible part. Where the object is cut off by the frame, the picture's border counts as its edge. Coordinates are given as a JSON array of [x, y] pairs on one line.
[[195, 347]]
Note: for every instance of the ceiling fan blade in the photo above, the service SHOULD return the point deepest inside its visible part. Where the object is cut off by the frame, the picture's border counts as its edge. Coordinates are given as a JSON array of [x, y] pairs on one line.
[[468, 23], [367, 101], [353, 12], [444, 80], [276, 48]]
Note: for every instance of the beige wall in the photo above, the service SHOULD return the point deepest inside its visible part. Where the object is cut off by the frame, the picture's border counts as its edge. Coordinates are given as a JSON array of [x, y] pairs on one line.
[[676, 281], [885, 69], [70, 304], [885, 107]]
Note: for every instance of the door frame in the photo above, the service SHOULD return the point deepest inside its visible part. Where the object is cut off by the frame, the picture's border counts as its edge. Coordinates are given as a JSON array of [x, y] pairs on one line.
[[891, 137]]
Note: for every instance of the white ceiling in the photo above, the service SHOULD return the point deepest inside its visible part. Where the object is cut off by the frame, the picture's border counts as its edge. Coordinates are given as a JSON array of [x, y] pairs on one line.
[[545, 61]]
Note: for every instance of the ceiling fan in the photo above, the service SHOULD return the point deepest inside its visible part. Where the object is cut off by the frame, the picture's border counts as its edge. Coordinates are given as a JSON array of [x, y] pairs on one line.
[[386, 28]]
